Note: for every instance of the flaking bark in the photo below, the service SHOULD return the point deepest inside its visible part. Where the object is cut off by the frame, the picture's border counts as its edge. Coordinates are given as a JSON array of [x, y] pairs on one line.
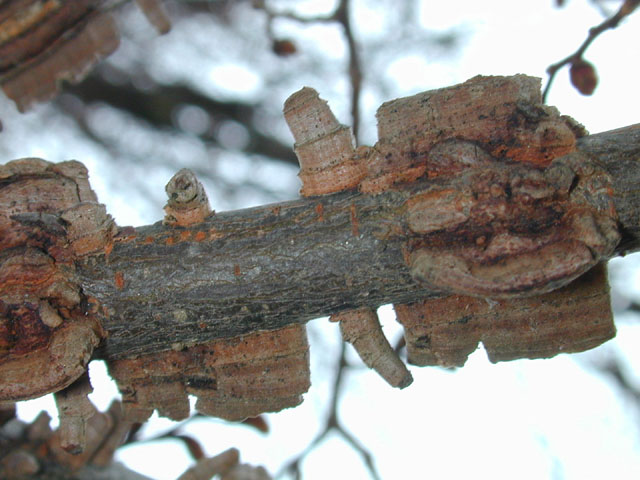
[[271, 266]]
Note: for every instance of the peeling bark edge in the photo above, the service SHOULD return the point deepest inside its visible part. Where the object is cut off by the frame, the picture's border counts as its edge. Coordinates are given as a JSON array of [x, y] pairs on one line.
[[271, 266]]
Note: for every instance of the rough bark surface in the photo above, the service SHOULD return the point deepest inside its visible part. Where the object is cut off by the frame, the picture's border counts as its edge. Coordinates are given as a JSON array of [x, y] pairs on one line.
[[618, 151], [232, 378], [48, 217], [267, 267]]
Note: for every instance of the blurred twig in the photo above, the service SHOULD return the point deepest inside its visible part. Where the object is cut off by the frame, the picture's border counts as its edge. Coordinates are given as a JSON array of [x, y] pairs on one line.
[[625, 10], [156, 105], [120, 154], [355, 71], [333, 424], [634, 307], [614, 369], [342, 16]]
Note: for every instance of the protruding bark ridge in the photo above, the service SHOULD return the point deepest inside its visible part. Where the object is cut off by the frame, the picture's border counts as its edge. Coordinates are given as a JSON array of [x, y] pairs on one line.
[[361, 328], [324, 147]]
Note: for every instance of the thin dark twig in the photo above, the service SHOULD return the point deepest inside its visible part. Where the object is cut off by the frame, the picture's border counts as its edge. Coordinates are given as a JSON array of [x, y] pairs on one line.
[[134, 434], [614, 369], [342, 16], [333, 424], [626, 9], [361, 449], [294, 465], [355, 70]]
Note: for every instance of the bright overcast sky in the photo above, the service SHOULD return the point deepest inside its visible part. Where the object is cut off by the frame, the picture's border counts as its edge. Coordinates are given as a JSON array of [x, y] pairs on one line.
[[547, 419]]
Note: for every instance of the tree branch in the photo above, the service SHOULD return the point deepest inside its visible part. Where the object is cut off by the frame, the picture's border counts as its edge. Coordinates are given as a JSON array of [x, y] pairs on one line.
[[472, 192], [271, 266]]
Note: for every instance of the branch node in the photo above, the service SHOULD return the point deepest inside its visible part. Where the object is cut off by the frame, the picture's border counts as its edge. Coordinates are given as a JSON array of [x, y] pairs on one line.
[[188, 203]]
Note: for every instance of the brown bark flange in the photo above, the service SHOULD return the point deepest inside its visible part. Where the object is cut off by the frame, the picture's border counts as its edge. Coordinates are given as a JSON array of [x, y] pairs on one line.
[[49, 217], [232, 378], [575, 318], [505, 156]]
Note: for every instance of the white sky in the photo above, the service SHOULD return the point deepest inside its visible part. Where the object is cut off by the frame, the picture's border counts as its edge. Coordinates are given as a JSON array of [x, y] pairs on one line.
[[525, 419]]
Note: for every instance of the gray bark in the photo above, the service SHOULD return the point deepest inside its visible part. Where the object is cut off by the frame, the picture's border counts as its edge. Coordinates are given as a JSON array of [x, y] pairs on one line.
[[619, 152], [267, 267]]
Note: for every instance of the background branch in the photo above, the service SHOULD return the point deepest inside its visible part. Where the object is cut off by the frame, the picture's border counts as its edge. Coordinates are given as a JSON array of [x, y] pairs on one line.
[[626, 9], [333, 424]]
